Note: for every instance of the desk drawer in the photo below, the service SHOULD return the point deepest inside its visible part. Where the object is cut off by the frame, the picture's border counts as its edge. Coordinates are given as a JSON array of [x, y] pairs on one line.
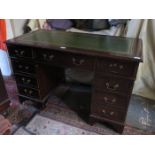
[[65, 59], [79, 61], [23, 67], [109, 113], [113, 84], [27, 81], [116, 67], [28, 92], [110, 100], [20, 51]]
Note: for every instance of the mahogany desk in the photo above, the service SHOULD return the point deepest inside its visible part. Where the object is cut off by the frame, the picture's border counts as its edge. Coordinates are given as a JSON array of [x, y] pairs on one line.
[[39, 60]]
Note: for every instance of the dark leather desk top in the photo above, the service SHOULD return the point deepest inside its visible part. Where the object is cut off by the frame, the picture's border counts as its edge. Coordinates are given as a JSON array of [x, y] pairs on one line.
[[92, 44]]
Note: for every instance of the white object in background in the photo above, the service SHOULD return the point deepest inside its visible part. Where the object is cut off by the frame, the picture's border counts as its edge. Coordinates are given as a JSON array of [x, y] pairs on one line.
[[5, 63]]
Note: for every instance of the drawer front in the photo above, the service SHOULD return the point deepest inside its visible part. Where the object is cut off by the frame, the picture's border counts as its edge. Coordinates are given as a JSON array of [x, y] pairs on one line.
[[25, 80], [113, 84], [79, 61], [20, 51], [22, 67], [109, 113], [48, 56], [28, 92], [110, 100], [65, 59], [116, 67]]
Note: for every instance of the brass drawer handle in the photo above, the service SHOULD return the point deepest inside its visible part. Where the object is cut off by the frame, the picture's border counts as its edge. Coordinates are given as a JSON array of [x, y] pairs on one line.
[[25, 90], [111, 113], [103, 111], [51, 57], [114, 87], [30, 92], [26, 67], [78, 62], [26, 81], [20, 66], [19, 53], [44, 56], [121, 66], [116, 65], [109, 101]]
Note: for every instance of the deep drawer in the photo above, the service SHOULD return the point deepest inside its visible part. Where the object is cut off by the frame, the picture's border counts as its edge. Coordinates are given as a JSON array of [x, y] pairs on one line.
[[113, 84], [23, 67], [116, 67], [28, 92], [109, 113], [20, 51], [27, 81], [110, 100]]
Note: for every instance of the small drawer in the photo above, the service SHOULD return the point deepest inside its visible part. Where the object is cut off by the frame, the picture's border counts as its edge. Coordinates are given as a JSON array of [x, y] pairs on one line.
[[49, 56], [113, 84], [110, 100], [20, 51], [28, 92], [109, 113], [25, 80], [22, 67], [116, 67]]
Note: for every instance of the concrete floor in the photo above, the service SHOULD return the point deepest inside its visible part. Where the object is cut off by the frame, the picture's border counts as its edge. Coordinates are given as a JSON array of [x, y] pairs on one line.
[[141, 113]]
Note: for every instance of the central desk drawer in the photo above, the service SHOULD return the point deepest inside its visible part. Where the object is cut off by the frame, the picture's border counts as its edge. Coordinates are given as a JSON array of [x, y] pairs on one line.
[[113, 84], [65, 59], [79, 61]]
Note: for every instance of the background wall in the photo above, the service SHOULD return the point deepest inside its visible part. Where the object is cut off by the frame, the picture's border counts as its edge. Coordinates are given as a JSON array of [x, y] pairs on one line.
[[16, 26]]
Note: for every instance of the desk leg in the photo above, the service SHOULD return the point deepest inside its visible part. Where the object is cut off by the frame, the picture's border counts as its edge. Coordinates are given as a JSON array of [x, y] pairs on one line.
[[118, 128], [91, 121]]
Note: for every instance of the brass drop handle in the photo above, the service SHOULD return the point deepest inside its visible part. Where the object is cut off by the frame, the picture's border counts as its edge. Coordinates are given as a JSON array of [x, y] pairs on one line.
[[116, 65], [30, 92], [45, 56], [109, 101], [20, 66], [51, 56], [121, 66], [111, 113], [25, 90], [28, 81], [103, 111], [114, 87], [20, 53], [23, 79], [78, 62], [26, 67]]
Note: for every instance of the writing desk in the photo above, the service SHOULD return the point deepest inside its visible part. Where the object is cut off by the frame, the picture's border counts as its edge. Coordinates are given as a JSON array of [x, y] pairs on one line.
[[39, 60]]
